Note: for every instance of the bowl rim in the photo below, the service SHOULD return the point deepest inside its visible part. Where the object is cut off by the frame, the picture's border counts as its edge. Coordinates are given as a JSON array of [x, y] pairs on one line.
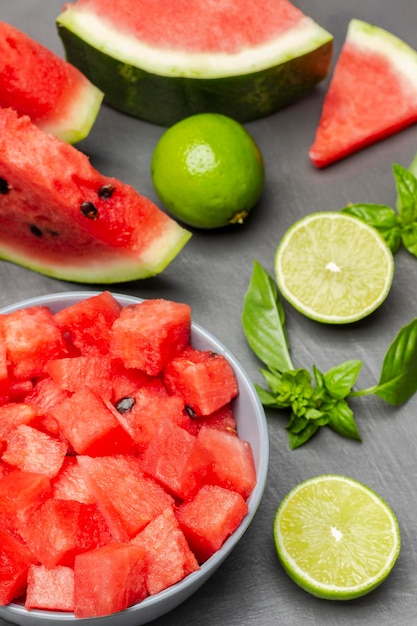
[[254, 500]]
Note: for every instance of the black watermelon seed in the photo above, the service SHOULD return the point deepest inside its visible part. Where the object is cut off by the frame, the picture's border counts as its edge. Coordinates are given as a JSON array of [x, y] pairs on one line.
[[4, 186], [106, 191], [89, 210], [125, 404], [190, 411], [36, 231]]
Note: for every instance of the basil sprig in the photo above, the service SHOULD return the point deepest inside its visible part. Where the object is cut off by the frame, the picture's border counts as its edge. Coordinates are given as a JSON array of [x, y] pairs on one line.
[[397, 226], [317, 399]]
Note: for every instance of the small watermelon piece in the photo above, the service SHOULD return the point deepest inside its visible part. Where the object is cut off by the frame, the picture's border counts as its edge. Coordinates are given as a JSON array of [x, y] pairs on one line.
[[234, 466], [87, 323], [22, 493], [15, 559], [73, 373], [31, 450], [61, 217], [147, 335], [205, 380], [69, 483], [372, 94], [53, 93], [32, 338], [109, 579], [168, 555], [50, 589], [165, 60], [205, 531], [177, 460], [127, 499], [90, 425]]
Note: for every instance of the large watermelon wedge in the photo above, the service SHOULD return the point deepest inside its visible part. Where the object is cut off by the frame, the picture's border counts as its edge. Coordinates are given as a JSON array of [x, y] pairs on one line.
[[36, 82], [163, 60], [61, 217], [372, 93]]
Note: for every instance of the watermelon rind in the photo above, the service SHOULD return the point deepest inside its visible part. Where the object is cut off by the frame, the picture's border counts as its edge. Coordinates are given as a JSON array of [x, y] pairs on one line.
[[74, 123], [109, 269], [164, 86]]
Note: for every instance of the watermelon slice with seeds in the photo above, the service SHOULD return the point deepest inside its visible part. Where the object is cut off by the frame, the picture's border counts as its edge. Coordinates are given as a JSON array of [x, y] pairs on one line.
[[372, 94], [167, 59], [36, 82], [61, 217]]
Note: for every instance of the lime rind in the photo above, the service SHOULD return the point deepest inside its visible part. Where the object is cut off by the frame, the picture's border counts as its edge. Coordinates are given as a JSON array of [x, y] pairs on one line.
[[333, 270], [369, 562]]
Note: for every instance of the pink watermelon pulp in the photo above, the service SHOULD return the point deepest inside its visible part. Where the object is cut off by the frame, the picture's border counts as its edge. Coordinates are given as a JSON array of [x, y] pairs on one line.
[[372, 94], [61, 217], [53, 93], [165, 60]]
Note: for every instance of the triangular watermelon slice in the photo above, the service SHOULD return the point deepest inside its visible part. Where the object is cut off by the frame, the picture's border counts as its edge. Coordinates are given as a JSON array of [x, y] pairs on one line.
[[372, 93], [61, 217]]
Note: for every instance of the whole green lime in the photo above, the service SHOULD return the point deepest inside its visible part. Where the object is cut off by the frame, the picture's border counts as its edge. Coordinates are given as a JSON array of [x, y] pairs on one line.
[[208, 171]]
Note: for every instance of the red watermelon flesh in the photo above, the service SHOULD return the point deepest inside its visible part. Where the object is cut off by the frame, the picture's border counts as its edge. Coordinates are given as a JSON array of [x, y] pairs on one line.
[[15, 559], [53, 93], [61, 217], [51, 589], [372, 94]]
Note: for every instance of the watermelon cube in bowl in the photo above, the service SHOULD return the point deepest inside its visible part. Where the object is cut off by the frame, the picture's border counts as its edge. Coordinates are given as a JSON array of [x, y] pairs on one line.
[[248, 414]]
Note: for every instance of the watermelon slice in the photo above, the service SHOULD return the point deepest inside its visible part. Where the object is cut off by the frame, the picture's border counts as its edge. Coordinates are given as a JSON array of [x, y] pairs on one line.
[[372, 93], [61, 217], [36, 82], [167, 59]]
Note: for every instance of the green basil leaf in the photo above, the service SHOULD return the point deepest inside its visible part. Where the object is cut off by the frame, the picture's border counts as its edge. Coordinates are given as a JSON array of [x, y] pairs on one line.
[[263, 321], [406, 194], [296, 440], [267, 398], [398, 380], [340, 379], [383, 218], [272, 379], [342, 421], [409, 238]]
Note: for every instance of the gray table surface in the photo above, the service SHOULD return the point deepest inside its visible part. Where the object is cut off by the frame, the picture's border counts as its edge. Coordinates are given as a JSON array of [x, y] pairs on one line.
[[212, 274]]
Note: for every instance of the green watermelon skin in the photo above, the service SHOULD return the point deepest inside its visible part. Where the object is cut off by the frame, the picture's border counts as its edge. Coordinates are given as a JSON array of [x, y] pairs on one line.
[[166, 100], [163, 91], [61, 217]]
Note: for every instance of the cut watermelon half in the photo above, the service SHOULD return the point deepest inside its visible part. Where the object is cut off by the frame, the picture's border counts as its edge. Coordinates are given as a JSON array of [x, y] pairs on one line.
[[372, 93], [53, 93], [61, 217], [163, 60]]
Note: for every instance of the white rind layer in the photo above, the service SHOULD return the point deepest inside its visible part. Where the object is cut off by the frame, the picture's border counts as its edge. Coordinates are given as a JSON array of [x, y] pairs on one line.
[[305, 37]]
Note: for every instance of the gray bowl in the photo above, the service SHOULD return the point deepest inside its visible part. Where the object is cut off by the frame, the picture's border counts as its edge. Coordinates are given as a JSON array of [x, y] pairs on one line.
[[252, 427]]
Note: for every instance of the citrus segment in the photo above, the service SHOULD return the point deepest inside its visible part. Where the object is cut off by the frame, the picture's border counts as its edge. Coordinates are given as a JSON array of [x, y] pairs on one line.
[[208, 171], [335, 537], [333, 267]]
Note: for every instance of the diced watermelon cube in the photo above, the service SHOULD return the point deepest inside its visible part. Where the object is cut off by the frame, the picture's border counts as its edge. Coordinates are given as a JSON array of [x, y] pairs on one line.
[[141, 413], [177, 460], [205, 380], [90, 425], [31, 450], [21, 493], [234, 466], [127, 499], [61, 529], [15, 559], [109, 579], [210, 518], [168, 554], [50, 589], [147, 335], [73, 373], [44, 396], [12, 415], [69, 484], [87, 323], [32, 338]]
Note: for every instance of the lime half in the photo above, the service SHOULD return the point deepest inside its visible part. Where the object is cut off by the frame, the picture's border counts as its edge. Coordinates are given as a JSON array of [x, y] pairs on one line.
[[335, 537], [333, 267]]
